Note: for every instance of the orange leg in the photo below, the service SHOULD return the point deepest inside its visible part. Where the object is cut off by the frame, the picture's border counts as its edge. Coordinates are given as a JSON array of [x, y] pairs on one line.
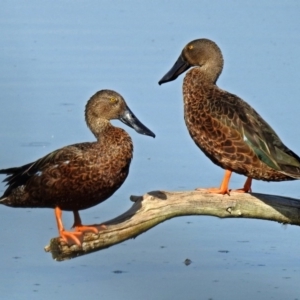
[[82, 228], [224, 185], [223, 189], [67, 236], [246, 188]]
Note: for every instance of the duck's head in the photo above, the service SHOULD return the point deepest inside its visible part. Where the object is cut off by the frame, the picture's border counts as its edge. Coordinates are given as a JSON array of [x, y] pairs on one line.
[[108, 105], [202, 53]]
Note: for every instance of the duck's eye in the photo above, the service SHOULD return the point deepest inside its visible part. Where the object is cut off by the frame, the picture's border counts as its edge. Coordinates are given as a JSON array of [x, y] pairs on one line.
[[190, 47], [113, 100]]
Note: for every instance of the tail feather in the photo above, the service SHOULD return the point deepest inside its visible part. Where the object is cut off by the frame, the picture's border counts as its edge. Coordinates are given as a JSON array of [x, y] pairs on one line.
[[15, 177]]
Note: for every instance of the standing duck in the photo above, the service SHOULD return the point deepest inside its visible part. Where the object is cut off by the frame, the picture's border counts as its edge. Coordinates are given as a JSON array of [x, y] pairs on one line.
[[82, 175], [227, 129]]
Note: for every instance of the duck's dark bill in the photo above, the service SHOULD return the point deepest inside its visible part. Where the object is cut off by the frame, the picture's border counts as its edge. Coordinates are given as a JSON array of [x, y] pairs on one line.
[[132, 121], [179, 67]]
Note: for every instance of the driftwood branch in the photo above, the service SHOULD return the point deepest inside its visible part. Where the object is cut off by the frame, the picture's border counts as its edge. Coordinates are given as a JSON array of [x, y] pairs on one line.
[[158, 206]]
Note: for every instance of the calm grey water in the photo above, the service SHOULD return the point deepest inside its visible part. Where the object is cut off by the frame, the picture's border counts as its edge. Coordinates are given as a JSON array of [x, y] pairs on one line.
[[55, 55]]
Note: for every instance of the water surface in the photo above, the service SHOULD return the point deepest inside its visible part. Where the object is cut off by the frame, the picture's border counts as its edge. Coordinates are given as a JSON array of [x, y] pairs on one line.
[[55, 55]]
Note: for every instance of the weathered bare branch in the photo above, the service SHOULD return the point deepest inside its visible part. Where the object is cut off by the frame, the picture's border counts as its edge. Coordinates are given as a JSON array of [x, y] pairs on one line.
[[158, 206]]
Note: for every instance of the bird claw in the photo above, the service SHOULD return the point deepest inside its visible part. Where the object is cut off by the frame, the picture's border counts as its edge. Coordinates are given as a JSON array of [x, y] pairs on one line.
[[95, 228], [215, 191], [71, 237], [243, 190]]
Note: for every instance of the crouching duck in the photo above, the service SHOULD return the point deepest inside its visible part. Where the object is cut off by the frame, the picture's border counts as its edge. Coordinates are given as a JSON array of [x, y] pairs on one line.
[[227, 129], [79, 176]]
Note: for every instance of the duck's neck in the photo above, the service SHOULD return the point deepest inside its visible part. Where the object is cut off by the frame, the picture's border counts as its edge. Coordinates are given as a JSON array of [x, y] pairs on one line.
[[209, 72], [212, 71], [100, 127], [204, 74]]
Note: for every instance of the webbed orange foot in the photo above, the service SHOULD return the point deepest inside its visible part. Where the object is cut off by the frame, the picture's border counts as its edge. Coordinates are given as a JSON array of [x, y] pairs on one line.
[[242, 190], [247, 187], [99, 227], [95, 228], [85, 228], [67, 236], [215, 191], [71, 237], [89, 228], [223, 189]]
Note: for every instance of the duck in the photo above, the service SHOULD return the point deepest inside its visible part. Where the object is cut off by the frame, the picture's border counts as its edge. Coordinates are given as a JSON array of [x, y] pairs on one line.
[[79, 176], [225, 127]]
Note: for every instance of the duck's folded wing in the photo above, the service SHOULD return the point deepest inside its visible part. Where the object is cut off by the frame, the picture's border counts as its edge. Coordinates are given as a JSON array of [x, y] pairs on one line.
[[257, 134], [20, 175]]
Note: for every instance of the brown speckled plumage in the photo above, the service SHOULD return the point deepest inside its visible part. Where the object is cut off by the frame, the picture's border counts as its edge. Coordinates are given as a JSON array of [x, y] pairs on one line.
[[82, 175], [228, 130]]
